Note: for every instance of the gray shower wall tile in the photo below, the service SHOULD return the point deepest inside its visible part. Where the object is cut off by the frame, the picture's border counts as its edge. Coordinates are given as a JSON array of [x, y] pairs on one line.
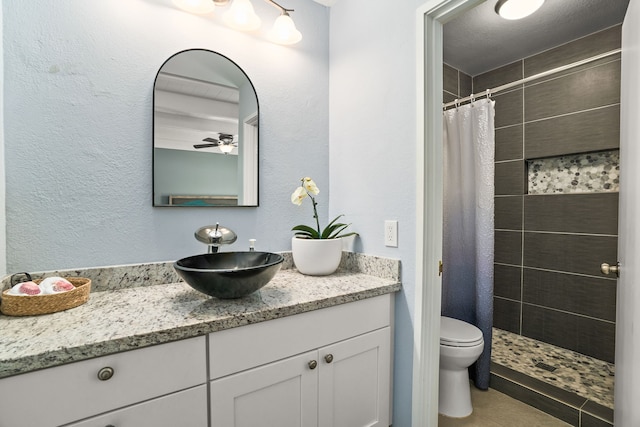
[[507, 281], [584, 335], [510, 178], [589, 296], [508, 213], [587, 420], [491, 79], [595, 213], [583, 48], [582, 132], [509, 143], [587, 89], [448, 97], [465, 84], [508, 247], [605, 414], [508, 108], [506, 315], [450, 79], [573, 253]]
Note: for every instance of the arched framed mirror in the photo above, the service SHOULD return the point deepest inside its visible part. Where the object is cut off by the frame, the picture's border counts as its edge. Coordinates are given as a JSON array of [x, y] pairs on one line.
[[205, 132]]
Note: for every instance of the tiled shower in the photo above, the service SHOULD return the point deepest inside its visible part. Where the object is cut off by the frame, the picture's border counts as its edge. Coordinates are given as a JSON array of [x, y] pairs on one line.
[[556, 201]]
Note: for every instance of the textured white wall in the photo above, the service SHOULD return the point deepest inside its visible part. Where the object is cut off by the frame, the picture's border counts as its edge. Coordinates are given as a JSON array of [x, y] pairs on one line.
[[373, 148], [3, 216], [78, 91]]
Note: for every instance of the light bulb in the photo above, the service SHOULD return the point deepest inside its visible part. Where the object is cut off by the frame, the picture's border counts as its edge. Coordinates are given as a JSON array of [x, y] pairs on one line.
[[517, 9], [241, 16], [200, 7], [226, 148], [284, 31]]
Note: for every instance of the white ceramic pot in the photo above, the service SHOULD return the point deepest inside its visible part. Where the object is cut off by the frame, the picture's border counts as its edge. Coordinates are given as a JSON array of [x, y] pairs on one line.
[[316, 257]]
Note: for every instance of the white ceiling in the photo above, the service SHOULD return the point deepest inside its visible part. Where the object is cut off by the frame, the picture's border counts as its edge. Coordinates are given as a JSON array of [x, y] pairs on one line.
[[480, 40]]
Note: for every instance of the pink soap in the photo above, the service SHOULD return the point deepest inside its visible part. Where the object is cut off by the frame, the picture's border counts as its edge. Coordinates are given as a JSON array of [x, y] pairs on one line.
[[26, 288]]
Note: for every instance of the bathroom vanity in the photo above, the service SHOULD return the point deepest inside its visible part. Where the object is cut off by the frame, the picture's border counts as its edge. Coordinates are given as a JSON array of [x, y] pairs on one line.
[[303, 351]]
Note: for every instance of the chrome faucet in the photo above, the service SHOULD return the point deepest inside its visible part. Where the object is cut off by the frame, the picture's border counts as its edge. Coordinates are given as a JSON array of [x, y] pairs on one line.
[[214, 236]]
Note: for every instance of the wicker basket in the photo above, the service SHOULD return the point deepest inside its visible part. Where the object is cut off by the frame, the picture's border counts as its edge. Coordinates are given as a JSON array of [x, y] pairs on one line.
[[28, 305]]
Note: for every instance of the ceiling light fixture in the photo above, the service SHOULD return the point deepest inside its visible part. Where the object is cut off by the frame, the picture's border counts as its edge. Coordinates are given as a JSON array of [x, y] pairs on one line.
[[517, 9], [226, 148], [241, 16]]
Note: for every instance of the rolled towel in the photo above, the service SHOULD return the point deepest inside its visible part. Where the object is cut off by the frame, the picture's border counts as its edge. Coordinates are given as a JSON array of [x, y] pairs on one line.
[[25, 288], [55, 285]]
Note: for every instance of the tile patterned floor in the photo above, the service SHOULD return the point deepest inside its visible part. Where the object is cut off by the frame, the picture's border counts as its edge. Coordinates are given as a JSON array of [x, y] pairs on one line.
[[585, 376], [494, 409]]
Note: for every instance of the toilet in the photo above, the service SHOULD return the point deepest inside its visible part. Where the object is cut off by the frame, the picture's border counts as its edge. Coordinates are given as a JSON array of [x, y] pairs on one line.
[[460, 345]]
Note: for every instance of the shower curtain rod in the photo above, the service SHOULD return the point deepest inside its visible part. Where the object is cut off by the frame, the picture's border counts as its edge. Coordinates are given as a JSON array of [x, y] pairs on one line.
[[506, 86]]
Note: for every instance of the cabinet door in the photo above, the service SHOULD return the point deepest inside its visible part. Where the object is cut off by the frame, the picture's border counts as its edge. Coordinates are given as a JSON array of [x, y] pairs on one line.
[[354, 381], [282, 394], [186, 408]]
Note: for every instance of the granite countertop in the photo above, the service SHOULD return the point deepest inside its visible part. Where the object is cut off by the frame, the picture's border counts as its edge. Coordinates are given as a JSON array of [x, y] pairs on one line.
[[146, 304]]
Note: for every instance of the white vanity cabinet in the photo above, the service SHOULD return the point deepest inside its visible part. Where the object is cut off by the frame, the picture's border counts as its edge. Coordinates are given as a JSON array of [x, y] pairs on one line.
[[325, 368], [77, 391], [187, 408]]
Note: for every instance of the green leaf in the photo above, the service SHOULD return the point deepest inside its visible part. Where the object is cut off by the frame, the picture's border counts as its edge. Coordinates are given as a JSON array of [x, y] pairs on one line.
[[306, 231]]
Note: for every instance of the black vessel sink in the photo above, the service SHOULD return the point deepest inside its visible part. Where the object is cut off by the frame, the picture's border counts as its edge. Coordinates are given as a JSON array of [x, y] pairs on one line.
[[229, 274]]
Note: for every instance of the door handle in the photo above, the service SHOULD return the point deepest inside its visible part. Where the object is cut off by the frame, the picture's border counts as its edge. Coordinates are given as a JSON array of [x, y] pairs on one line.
[[605, 268]]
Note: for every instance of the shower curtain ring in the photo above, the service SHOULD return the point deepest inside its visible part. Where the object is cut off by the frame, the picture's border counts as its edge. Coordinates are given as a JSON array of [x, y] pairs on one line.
[[456, 102], [473, 99], [488, 93]]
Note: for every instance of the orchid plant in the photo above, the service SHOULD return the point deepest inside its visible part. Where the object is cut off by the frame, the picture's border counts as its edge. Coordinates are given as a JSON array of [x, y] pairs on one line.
[[333, 230]]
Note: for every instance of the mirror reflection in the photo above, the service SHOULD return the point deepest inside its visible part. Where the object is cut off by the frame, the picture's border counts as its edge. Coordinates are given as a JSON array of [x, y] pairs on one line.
[[205, 132]]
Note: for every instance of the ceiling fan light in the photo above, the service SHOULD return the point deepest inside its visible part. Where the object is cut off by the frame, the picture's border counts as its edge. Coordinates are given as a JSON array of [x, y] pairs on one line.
[[226, 148], [199, 7], [241, 16], [517, 9], [284, 30]]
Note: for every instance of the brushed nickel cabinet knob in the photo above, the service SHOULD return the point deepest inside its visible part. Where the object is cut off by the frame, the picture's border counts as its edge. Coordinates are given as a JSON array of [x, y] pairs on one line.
[[105, 373]]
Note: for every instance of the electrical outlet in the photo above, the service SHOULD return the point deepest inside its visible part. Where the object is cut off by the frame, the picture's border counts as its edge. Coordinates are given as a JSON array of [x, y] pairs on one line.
[[391, 233]]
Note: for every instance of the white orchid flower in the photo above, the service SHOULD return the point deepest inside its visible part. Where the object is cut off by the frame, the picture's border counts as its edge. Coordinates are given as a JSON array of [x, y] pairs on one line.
[[298, 196], [334, 230], [310, 186]]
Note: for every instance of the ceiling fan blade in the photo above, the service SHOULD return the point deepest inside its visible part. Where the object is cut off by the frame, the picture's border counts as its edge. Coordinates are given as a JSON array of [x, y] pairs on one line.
[[208, 139], [204, 145]]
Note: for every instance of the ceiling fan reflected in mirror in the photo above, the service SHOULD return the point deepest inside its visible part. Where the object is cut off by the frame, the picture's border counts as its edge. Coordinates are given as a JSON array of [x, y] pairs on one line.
[[225, 143]]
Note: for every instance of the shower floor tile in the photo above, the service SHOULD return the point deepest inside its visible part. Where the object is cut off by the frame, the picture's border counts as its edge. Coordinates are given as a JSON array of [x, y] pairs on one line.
[[585, 376]]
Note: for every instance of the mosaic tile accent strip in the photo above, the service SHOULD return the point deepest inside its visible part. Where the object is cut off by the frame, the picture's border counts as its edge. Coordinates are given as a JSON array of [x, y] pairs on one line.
[[585, 376], [580, 173]]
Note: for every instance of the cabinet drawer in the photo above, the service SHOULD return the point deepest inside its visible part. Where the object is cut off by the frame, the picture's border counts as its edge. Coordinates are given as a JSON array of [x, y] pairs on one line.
[[187, 408], [237, 349], [67, 393]]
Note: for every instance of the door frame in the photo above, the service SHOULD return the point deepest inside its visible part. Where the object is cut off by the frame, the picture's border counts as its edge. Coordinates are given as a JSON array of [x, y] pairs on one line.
[[429, 192], [429, 20]]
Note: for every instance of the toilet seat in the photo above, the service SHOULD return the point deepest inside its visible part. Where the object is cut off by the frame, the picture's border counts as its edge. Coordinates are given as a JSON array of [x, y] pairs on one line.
[[456, 333]]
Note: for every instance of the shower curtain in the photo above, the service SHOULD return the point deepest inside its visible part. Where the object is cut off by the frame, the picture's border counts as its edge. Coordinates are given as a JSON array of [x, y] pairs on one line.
[[467, 283]]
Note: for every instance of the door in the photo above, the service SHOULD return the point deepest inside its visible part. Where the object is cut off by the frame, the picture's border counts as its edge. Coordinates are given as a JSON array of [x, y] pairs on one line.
[[627, 381], [283, 394], [354, 381]]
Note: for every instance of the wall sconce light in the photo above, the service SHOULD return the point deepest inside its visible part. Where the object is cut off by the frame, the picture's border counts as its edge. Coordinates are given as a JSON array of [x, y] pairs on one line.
[[241, 16], [517, 9]]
